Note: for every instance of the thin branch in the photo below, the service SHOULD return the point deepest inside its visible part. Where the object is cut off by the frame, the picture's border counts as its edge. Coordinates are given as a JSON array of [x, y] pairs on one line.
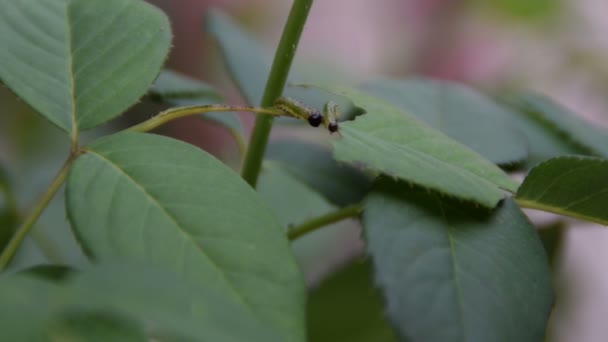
[[180, 112], [321, 221], [32, 217]]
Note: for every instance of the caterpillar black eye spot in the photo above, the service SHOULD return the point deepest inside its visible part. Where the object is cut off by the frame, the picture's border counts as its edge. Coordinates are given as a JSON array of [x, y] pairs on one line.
[[315, 119], [333, 127]]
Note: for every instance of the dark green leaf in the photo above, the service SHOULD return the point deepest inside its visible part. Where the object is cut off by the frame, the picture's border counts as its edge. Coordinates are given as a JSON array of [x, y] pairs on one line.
[[549, 112], [552, 237], [4, 181], [460, 112], [347, 307], [81, 62], [316, 167], [451, 272], [390, 141], [49, 272], [147, 197], [8, 224], [574, 186]]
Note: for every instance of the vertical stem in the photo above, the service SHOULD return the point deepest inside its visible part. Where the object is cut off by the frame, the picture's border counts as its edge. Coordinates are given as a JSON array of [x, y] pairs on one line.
[[32, 217], [274, 88]]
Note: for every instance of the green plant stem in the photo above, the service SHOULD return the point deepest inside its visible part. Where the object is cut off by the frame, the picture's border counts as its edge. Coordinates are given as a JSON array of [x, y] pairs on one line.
[[180, 112], [321, 221], [274, 88], [32, 217], [559, 211]]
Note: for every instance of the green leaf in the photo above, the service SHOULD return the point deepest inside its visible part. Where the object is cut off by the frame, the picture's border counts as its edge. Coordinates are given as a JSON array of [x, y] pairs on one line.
[[170, 305], [146, 197], [5, 187], [81, 63], [549, 112], [117, 300], [524, 9], [173, 87], [460, 112], [303, 203], [553, 237], [250, 73], [542, 139], [26, 308], [450, 272], [390, 141], [95, 326], [574, 186], [181, 90], [314, 250], [347, 307], [315, 166], [55, 273]]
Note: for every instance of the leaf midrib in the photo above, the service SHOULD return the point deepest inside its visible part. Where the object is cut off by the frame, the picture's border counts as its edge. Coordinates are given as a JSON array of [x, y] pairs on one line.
[[188, 237], [429, 159], [70, 60]]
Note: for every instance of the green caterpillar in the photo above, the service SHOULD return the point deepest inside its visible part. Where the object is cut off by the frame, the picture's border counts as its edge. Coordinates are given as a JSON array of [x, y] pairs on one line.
[[298, 110]]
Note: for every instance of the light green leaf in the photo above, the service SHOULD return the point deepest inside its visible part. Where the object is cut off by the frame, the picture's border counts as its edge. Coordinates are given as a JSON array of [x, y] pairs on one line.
[[181, 90], [450, 272], [315, 166], [458, 111], [81, 62], [549, 112], [146, 197], [250, 73], [574, 186], [388, 140], [347, 307]]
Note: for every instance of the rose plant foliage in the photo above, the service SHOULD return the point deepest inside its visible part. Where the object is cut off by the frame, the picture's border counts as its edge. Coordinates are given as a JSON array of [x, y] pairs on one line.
[[179, 246]]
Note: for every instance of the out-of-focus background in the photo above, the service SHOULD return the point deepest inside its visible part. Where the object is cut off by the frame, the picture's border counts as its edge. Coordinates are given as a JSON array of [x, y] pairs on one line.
[[558, 47]]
